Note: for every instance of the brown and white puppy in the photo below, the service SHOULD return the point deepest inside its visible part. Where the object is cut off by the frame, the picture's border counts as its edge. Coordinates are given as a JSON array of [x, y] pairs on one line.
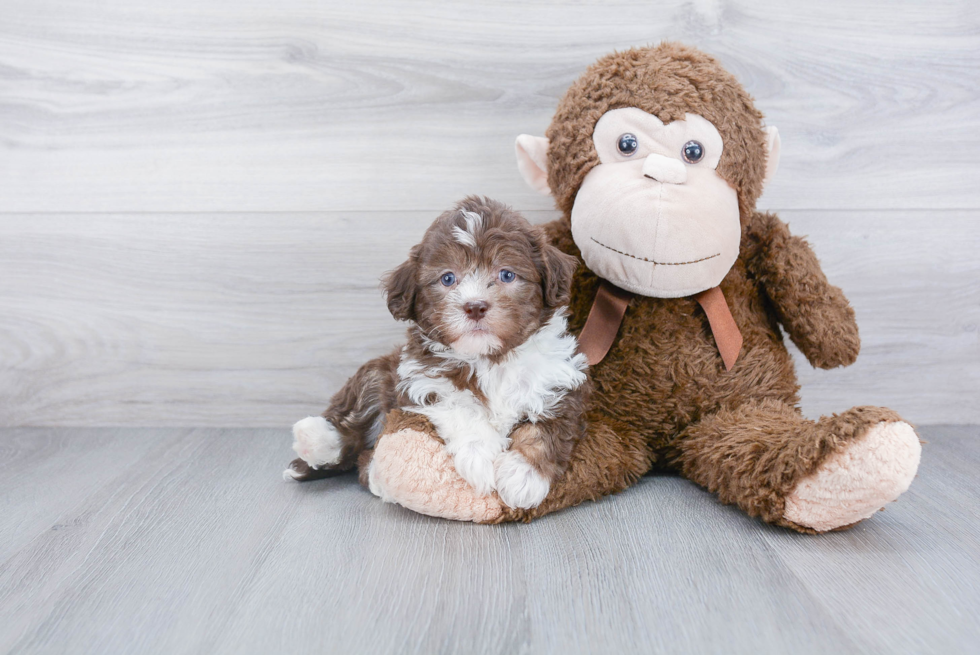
[[488, 359]]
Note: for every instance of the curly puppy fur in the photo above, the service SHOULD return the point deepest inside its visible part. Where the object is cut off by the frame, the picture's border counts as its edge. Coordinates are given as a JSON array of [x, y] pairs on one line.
[[468, 360]]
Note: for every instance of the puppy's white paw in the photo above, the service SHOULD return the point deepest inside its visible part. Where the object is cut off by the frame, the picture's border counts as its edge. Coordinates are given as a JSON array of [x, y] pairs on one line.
[[475, 465], [317, 442], [519, 484]]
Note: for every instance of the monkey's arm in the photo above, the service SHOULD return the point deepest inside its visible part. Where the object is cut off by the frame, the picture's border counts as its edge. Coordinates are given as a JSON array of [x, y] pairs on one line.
[[815, 313]]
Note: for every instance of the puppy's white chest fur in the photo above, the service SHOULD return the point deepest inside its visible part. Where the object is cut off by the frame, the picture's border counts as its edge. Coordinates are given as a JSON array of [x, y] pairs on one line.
[[526, 385]]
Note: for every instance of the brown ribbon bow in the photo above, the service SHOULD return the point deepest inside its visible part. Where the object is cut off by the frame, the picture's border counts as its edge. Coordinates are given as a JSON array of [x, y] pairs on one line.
[[609, 307]]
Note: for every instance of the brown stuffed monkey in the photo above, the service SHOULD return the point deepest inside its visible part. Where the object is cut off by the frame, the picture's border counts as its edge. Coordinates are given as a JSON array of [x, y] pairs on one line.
[[656, 157]]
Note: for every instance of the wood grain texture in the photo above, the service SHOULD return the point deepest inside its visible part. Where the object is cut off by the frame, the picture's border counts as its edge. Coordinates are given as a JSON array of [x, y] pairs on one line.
[[75, 463], [255, 320], [909, 556], [199, 546], [196, 105]]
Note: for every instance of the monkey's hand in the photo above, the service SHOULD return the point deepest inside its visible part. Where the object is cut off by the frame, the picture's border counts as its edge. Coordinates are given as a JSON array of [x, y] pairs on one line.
[[815, 313]]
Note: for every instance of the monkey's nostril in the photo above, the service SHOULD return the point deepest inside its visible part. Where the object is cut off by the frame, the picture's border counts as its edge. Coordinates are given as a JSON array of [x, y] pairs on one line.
[[477, 309]]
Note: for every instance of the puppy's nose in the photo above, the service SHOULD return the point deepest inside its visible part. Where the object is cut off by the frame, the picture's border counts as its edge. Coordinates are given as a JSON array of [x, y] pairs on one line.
[[476, 309]]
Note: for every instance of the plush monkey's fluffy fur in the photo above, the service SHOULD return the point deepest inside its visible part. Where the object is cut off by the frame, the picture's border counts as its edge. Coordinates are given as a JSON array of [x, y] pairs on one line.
[[662, 398], [666, 81]]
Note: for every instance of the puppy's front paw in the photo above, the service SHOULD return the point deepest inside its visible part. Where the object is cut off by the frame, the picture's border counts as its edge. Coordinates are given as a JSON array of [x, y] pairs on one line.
[[519, 484], [317, 442], [475, 465]]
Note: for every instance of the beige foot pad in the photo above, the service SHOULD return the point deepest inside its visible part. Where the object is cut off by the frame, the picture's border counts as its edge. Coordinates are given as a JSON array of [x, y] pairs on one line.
[[854, 484], [414, 470]]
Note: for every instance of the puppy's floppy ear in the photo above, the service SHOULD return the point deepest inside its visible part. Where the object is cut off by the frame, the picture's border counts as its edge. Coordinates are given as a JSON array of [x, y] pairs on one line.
[[557, 270], [401, 288]]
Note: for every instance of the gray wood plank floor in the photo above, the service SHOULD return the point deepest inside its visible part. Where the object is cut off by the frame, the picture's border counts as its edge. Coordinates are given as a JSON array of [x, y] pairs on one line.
[[187, 541]]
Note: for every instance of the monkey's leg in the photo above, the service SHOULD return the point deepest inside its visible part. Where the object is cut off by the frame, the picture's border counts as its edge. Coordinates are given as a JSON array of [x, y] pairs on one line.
[[410, 466], [810, 476], [331, 443], [603, 462]]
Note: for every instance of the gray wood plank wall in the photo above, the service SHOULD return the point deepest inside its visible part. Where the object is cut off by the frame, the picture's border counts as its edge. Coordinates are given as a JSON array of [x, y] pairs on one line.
[[198, 198]]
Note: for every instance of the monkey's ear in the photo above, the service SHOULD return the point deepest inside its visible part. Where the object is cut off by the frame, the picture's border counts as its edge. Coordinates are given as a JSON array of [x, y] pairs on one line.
[[532, 162], [772, 154], [556, 275], [401, 288]]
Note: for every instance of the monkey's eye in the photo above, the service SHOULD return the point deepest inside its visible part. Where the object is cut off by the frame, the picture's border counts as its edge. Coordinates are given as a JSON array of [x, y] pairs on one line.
[[627, 144], [448, 279], [693, 152], [507, 276]]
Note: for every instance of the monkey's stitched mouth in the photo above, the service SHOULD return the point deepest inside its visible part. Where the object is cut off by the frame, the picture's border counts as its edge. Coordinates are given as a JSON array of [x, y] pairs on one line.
[[644, 259]]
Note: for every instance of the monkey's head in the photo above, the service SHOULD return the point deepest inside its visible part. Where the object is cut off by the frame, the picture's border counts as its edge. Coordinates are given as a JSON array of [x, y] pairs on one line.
[[658, 156]]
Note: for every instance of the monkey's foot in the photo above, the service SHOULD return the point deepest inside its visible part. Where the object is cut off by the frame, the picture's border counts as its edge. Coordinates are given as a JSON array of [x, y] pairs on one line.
[[412, 469], [855, 483]]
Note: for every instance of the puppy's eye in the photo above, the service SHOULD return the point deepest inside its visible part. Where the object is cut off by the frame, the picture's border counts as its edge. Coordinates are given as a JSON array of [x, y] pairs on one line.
[[627, 144], [507, 276], [693, 152], [448, 279]]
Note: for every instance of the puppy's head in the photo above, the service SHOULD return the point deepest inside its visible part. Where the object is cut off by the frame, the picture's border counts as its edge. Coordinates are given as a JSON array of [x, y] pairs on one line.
[[482, 280]]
